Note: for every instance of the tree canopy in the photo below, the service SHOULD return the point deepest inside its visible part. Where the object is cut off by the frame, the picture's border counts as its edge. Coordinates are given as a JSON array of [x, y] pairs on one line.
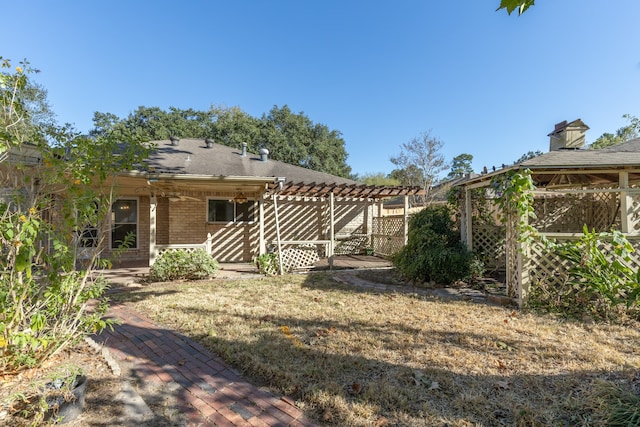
[[289, 137], [461, 165], [623, 134], [419, 163]]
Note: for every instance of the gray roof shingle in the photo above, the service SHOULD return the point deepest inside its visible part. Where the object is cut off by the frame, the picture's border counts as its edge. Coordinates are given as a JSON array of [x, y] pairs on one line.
[[625, 154], [193, 157]]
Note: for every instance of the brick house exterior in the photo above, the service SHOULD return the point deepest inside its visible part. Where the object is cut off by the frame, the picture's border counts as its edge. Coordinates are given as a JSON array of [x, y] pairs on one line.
[[236, 204]]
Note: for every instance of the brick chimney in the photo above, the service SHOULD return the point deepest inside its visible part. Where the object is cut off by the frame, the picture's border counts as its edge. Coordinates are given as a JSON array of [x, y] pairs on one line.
[[568, 136]]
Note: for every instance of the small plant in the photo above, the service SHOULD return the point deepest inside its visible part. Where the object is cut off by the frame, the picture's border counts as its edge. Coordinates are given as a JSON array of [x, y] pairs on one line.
[[180, 264], [268, 263]]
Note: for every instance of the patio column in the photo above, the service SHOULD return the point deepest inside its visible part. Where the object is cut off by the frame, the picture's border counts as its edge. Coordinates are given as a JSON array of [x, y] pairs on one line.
[[467, 220], [262, 249], [406, 219], [332, 231], [626, 203], [153, 205]]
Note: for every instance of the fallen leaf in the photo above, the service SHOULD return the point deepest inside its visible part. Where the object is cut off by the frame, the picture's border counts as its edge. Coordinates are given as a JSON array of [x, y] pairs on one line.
[[501, 364], [355, 388]]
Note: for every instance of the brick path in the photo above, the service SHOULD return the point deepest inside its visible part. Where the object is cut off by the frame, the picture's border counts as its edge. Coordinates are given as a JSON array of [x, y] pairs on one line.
[[194, 387]]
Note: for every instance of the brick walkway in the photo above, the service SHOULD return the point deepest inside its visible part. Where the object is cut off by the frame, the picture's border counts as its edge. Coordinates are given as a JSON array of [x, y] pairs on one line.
[[191, 385]]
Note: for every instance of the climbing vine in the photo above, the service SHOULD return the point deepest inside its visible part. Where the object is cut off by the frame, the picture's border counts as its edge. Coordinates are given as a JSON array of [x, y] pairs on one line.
[[514, 196]]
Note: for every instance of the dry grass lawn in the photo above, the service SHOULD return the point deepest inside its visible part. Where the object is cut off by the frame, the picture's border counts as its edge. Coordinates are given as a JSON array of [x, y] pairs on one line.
[[356, 358]]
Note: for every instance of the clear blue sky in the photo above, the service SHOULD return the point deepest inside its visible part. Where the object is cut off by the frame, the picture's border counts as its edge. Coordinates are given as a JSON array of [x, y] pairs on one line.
[[380, 72]]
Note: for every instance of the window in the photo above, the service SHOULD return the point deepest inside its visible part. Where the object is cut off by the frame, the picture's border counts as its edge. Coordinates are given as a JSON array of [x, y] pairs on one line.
[[229, 211], [86, 227], [124, 223]]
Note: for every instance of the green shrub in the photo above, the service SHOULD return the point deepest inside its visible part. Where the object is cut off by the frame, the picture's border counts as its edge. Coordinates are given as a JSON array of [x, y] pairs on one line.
[[434, 251], [180, 264], [600, 284]]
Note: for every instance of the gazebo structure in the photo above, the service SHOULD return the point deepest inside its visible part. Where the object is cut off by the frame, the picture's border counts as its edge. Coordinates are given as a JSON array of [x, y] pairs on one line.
[[575, 187]]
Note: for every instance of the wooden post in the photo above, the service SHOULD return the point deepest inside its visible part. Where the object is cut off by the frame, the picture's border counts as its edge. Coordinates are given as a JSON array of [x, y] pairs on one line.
[[405, 219], [262, 244], [626, 203], [275, 211], [468, 218], [153, 205], [332, 230]]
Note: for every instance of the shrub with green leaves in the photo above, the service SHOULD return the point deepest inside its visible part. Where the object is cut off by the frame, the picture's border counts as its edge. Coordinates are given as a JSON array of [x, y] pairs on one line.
[[601, 282], [434, 251], [52, 190], [181, 264]]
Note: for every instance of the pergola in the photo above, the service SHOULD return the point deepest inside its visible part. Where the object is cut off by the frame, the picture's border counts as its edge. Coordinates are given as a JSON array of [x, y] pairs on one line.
[[599, 189]]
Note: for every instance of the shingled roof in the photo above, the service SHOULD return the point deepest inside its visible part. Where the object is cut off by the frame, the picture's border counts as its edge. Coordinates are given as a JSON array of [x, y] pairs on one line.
[[197, 158], [625, 154]]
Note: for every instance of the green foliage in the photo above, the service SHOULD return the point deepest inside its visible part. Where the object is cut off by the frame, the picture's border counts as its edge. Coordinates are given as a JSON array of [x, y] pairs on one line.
[[434, 251], [514, 197], [527, 156], [520, 5], [600, 281], [180, 264], [44, 298], [290, 138], [268, 264], [378, 178], [461, 165], [623, 134]]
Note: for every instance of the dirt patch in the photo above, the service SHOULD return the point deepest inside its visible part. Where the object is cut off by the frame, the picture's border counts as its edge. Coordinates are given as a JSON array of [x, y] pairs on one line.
[[19, 393]]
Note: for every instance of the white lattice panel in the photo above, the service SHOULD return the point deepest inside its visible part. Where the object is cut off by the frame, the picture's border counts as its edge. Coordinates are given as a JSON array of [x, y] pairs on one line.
[[569, 213], [489, 243], [300, 257]]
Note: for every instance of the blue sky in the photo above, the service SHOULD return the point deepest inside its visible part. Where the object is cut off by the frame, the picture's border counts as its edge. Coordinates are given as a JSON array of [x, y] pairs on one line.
[[380, 72]]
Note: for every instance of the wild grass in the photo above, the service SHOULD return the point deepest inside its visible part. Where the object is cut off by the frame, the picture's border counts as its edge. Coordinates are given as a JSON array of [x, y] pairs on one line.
[[356, 358]]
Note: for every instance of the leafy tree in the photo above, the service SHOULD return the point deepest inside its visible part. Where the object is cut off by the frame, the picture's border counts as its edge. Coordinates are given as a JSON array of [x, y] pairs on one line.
[[623, 134], [419, 164], [291, 138], [45, 294], [295, 139], [528, 155], [378, 178], [461, 165], [520, 5]]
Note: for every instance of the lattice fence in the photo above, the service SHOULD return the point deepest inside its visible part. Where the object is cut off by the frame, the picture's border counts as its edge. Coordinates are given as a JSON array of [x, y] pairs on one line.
[[184, 248], [299, 257], [634, 217], [388, 235], [513, 259], [569, 213], [489, 244], [545, 265], [354, 244]]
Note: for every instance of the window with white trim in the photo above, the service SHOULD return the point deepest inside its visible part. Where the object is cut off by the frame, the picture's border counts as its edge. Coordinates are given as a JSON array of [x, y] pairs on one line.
[[229, 211], [124, 223]]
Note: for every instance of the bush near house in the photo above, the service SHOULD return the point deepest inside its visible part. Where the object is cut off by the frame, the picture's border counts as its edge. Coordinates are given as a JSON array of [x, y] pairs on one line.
[[434, 252], [180, 264]]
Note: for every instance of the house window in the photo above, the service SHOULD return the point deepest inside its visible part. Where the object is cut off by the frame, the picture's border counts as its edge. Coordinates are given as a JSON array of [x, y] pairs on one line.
[[87, 230], [230, 211], [124, 223]]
